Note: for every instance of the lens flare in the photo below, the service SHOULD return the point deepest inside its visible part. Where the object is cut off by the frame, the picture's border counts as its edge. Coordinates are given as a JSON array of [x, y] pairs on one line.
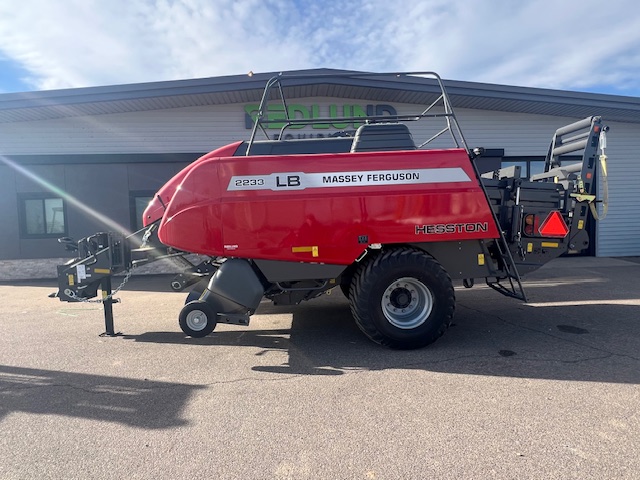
[[108, 222]]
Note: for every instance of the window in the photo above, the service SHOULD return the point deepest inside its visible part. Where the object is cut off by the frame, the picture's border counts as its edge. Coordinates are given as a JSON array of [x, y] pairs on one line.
[[529, 165], [42, 216], [524, 172], [138, 203], [534, 165]]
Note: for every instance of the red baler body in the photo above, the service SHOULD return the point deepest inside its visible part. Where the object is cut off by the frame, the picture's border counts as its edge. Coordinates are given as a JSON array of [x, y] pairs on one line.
[[323, 208]]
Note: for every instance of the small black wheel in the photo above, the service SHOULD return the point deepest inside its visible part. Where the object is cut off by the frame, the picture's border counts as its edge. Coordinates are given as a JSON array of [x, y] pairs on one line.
[[402, 299], [198, 319]]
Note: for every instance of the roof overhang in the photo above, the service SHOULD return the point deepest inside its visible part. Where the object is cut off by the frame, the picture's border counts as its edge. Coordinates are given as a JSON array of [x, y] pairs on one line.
[[42, 105]]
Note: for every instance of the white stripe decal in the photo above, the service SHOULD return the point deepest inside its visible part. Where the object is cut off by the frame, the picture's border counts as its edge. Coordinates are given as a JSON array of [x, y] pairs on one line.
[[301, 180]]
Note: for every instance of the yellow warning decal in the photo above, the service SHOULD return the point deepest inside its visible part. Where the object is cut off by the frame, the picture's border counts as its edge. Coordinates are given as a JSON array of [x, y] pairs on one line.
[[481, 259], [580, 224], [529, 247], [313, 250], [550, 244], [102, 270], [71, 280]]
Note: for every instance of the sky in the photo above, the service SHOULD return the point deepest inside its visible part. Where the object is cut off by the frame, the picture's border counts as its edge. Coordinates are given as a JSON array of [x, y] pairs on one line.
[[580, 45]]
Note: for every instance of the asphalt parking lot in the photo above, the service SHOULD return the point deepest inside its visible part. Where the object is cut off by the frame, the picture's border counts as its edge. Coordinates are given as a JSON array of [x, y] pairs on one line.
[[544, 390]]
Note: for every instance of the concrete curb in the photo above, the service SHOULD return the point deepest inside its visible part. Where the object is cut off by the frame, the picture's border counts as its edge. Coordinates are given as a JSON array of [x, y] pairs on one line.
[[45, 268]]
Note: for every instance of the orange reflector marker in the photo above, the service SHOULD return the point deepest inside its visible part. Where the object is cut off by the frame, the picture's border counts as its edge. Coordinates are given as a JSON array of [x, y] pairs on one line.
[[530, 224], [554, 226], [313, 250]]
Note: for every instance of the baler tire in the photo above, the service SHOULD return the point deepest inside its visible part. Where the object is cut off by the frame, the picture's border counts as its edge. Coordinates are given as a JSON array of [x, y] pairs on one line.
[[398, 280], [198, 319], [345, 286], [346, 278]]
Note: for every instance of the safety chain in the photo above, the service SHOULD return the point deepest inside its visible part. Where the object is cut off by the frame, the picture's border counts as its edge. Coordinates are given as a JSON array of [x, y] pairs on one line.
[[108, 297], [521, 251]]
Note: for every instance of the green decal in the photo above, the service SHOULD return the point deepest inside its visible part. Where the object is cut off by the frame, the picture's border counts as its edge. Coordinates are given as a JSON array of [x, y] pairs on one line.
[[276, 114], [358, 111], [298, 112], [333, 113], [315, 113]]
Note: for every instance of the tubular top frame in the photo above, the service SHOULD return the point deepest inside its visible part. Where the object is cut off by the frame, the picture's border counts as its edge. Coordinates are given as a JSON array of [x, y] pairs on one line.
[[279, 82]]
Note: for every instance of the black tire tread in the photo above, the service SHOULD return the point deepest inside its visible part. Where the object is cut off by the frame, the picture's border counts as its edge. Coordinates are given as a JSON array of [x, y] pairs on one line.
[[363, 281]]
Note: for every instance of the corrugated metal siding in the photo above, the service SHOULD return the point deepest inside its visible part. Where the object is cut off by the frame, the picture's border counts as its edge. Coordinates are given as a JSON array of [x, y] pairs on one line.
[[202, 129], [519, 134], [619, 233], [174, 130]]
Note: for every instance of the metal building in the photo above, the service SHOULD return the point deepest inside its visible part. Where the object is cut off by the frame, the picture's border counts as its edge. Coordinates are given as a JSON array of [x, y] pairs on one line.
[[77, 161]]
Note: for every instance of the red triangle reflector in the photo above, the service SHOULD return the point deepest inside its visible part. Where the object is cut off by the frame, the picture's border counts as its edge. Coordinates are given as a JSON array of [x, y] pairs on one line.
[[554, 226]]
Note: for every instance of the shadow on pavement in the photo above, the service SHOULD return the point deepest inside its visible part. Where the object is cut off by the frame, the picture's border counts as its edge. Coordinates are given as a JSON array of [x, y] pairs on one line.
[[143, 404], [582, 324], [489, 336]]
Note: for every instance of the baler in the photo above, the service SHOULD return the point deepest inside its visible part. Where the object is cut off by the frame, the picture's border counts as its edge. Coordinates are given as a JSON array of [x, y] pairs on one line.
[[390, 222]]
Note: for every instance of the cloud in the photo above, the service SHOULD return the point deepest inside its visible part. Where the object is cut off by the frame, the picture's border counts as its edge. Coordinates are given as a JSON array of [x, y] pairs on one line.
[[75, 43], [575, 44], [568, 44]]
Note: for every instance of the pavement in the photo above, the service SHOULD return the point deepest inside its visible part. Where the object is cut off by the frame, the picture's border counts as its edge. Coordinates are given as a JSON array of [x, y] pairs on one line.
[[548, 389]]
